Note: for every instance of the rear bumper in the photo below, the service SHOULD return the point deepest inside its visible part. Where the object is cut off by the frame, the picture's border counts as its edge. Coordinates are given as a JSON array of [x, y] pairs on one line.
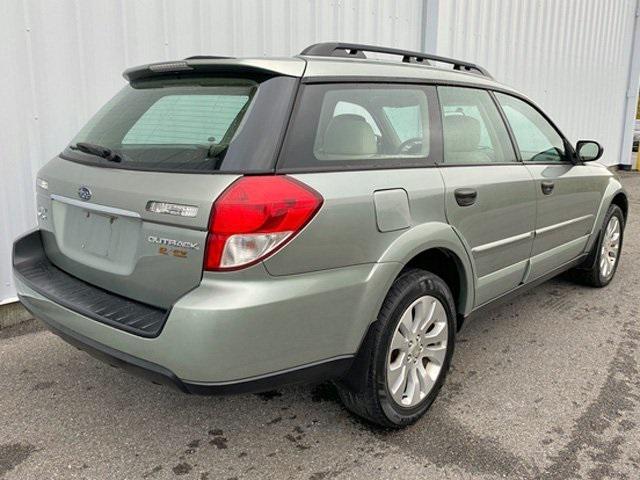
[[237, 333], [162, 376]]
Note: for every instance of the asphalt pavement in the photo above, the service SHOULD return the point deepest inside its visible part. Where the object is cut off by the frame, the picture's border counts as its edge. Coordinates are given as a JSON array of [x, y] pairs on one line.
[[544, 387]]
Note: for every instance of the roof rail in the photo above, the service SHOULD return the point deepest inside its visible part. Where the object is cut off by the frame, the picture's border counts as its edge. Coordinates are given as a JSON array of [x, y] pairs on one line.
[[355, 50]]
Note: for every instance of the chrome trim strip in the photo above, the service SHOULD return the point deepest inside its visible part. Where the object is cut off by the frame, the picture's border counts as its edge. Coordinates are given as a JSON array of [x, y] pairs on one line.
[[566, 223], [94, 207], [502, 242]]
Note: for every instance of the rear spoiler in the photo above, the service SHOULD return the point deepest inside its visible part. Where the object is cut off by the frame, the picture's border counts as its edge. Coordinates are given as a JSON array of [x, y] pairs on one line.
[[290, 67]]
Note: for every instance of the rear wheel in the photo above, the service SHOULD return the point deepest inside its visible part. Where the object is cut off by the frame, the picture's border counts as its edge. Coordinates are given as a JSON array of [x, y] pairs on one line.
[[604, 258], [409, 352]]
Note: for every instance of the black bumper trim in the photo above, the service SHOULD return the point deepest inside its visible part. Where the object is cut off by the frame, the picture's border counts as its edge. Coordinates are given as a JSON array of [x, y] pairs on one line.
[[31, 266], [329, 369]]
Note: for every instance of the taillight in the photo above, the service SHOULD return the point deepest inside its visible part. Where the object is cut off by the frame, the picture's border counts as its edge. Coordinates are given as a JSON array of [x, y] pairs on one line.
[[254, 217]]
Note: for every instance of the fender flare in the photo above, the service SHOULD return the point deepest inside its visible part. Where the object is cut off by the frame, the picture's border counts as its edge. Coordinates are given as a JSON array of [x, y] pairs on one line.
[[613, 188], [433, 235]]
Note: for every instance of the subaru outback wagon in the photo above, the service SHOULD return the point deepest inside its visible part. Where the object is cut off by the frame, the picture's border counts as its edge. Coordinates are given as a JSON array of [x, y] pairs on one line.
[[232, 225]]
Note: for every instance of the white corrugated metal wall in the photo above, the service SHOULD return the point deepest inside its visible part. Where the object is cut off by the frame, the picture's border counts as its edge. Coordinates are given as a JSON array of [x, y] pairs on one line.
[[572, 57], [62, 60]]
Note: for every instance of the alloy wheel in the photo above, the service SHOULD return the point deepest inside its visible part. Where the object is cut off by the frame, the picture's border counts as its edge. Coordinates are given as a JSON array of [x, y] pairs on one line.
[[417, 352], [610, 247]]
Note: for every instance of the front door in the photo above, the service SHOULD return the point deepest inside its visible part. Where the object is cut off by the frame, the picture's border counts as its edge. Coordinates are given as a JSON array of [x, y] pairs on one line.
[[490, 197], [568, 194]]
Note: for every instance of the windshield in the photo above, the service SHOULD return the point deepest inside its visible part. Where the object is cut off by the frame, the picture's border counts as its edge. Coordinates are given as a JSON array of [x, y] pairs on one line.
[[189, 124]]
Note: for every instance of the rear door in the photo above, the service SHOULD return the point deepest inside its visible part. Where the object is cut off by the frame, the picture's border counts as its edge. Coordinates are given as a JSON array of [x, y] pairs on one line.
[[568, 194], [490, 196], [127, 204]]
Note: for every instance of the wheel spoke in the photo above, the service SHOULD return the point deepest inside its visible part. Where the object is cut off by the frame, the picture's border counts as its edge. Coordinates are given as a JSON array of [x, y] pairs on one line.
[[399, 342], [428, 319], [437, 335], [435, 353], [406, 323], [412, 393], [397, 380], [426, 382], [613, 239]]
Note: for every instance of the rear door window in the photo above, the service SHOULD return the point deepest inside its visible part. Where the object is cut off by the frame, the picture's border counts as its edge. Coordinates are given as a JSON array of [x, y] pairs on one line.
[[474, 132], [361, 126]]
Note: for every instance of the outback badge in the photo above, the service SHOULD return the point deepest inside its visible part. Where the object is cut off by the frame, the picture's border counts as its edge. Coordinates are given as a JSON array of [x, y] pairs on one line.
[[170, 242]]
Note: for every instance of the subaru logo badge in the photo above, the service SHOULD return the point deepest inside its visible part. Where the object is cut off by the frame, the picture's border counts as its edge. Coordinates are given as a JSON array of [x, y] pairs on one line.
[[84, 193]]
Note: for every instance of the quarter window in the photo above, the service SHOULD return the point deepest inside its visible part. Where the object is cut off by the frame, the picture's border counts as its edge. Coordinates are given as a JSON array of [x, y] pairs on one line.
[[473, 130], [537, 139]]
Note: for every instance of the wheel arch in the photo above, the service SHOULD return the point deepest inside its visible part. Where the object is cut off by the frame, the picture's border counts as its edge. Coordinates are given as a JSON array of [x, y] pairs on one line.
[[435, 247], [620, 199]]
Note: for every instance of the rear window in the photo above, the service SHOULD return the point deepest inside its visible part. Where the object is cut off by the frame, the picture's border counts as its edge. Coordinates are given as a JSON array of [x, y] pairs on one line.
[[362, 126], [189, 125], [189, 119]]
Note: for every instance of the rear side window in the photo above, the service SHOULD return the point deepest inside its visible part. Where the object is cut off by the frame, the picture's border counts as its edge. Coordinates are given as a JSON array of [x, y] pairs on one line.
[[474, 132], [192, 124], [361, 126], [537, 139]]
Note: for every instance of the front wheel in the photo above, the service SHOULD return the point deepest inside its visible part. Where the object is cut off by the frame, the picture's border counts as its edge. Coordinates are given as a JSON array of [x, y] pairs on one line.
[[409, 353], [605, 256]]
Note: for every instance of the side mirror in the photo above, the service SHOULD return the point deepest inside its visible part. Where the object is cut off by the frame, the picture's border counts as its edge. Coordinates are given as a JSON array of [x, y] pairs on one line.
[[589, 150]]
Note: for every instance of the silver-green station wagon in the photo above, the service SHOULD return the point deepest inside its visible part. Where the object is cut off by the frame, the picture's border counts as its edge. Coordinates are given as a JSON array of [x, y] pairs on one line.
[[232, 225]]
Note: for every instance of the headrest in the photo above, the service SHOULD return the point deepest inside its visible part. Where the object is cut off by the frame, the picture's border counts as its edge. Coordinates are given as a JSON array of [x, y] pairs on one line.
[[349, 134], [461, 133]]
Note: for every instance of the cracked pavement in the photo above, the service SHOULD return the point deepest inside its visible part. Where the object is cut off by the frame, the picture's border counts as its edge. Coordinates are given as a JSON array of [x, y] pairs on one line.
[[544, 387]]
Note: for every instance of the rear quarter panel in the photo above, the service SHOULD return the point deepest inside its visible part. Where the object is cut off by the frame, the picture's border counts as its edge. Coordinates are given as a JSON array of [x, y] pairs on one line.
[[347, 229]]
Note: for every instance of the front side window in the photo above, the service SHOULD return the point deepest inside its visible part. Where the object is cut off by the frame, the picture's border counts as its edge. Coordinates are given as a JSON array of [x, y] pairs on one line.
[[473, 130], [361, 126], [537, 139]]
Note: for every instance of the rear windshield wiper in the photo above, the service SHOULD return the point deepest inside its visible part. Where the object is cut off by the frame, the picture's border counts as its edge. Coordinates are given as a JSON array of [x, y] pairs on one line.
[[98, 151]]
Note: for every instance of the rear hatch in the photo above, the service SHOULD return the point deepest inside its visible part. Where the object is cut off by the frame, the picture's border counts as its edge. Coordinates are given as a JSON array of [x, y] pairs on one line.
[[127, 204]]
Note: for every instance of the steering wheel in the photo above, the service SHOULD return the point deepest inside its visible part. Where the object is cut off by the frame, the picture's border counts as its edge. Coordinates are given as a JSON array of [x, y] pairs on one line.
[[411, 145]]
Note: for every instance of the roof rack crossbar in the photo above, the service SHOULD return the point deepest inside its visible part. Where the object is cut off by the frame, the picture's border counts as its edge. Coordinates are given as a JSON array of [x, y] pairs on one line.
[[356, 50]]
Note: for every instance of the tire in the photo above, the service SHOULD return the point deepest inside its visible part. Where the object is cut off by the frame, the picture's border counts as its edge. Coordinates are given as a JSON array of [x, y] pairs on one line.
[[414, 293], [594, 273]]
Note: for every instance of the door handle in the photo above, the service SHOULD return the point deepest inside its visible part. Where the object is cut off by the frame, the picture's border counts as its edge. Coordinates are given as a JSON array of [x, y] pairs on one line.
[[466, 196], [547, 187]]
